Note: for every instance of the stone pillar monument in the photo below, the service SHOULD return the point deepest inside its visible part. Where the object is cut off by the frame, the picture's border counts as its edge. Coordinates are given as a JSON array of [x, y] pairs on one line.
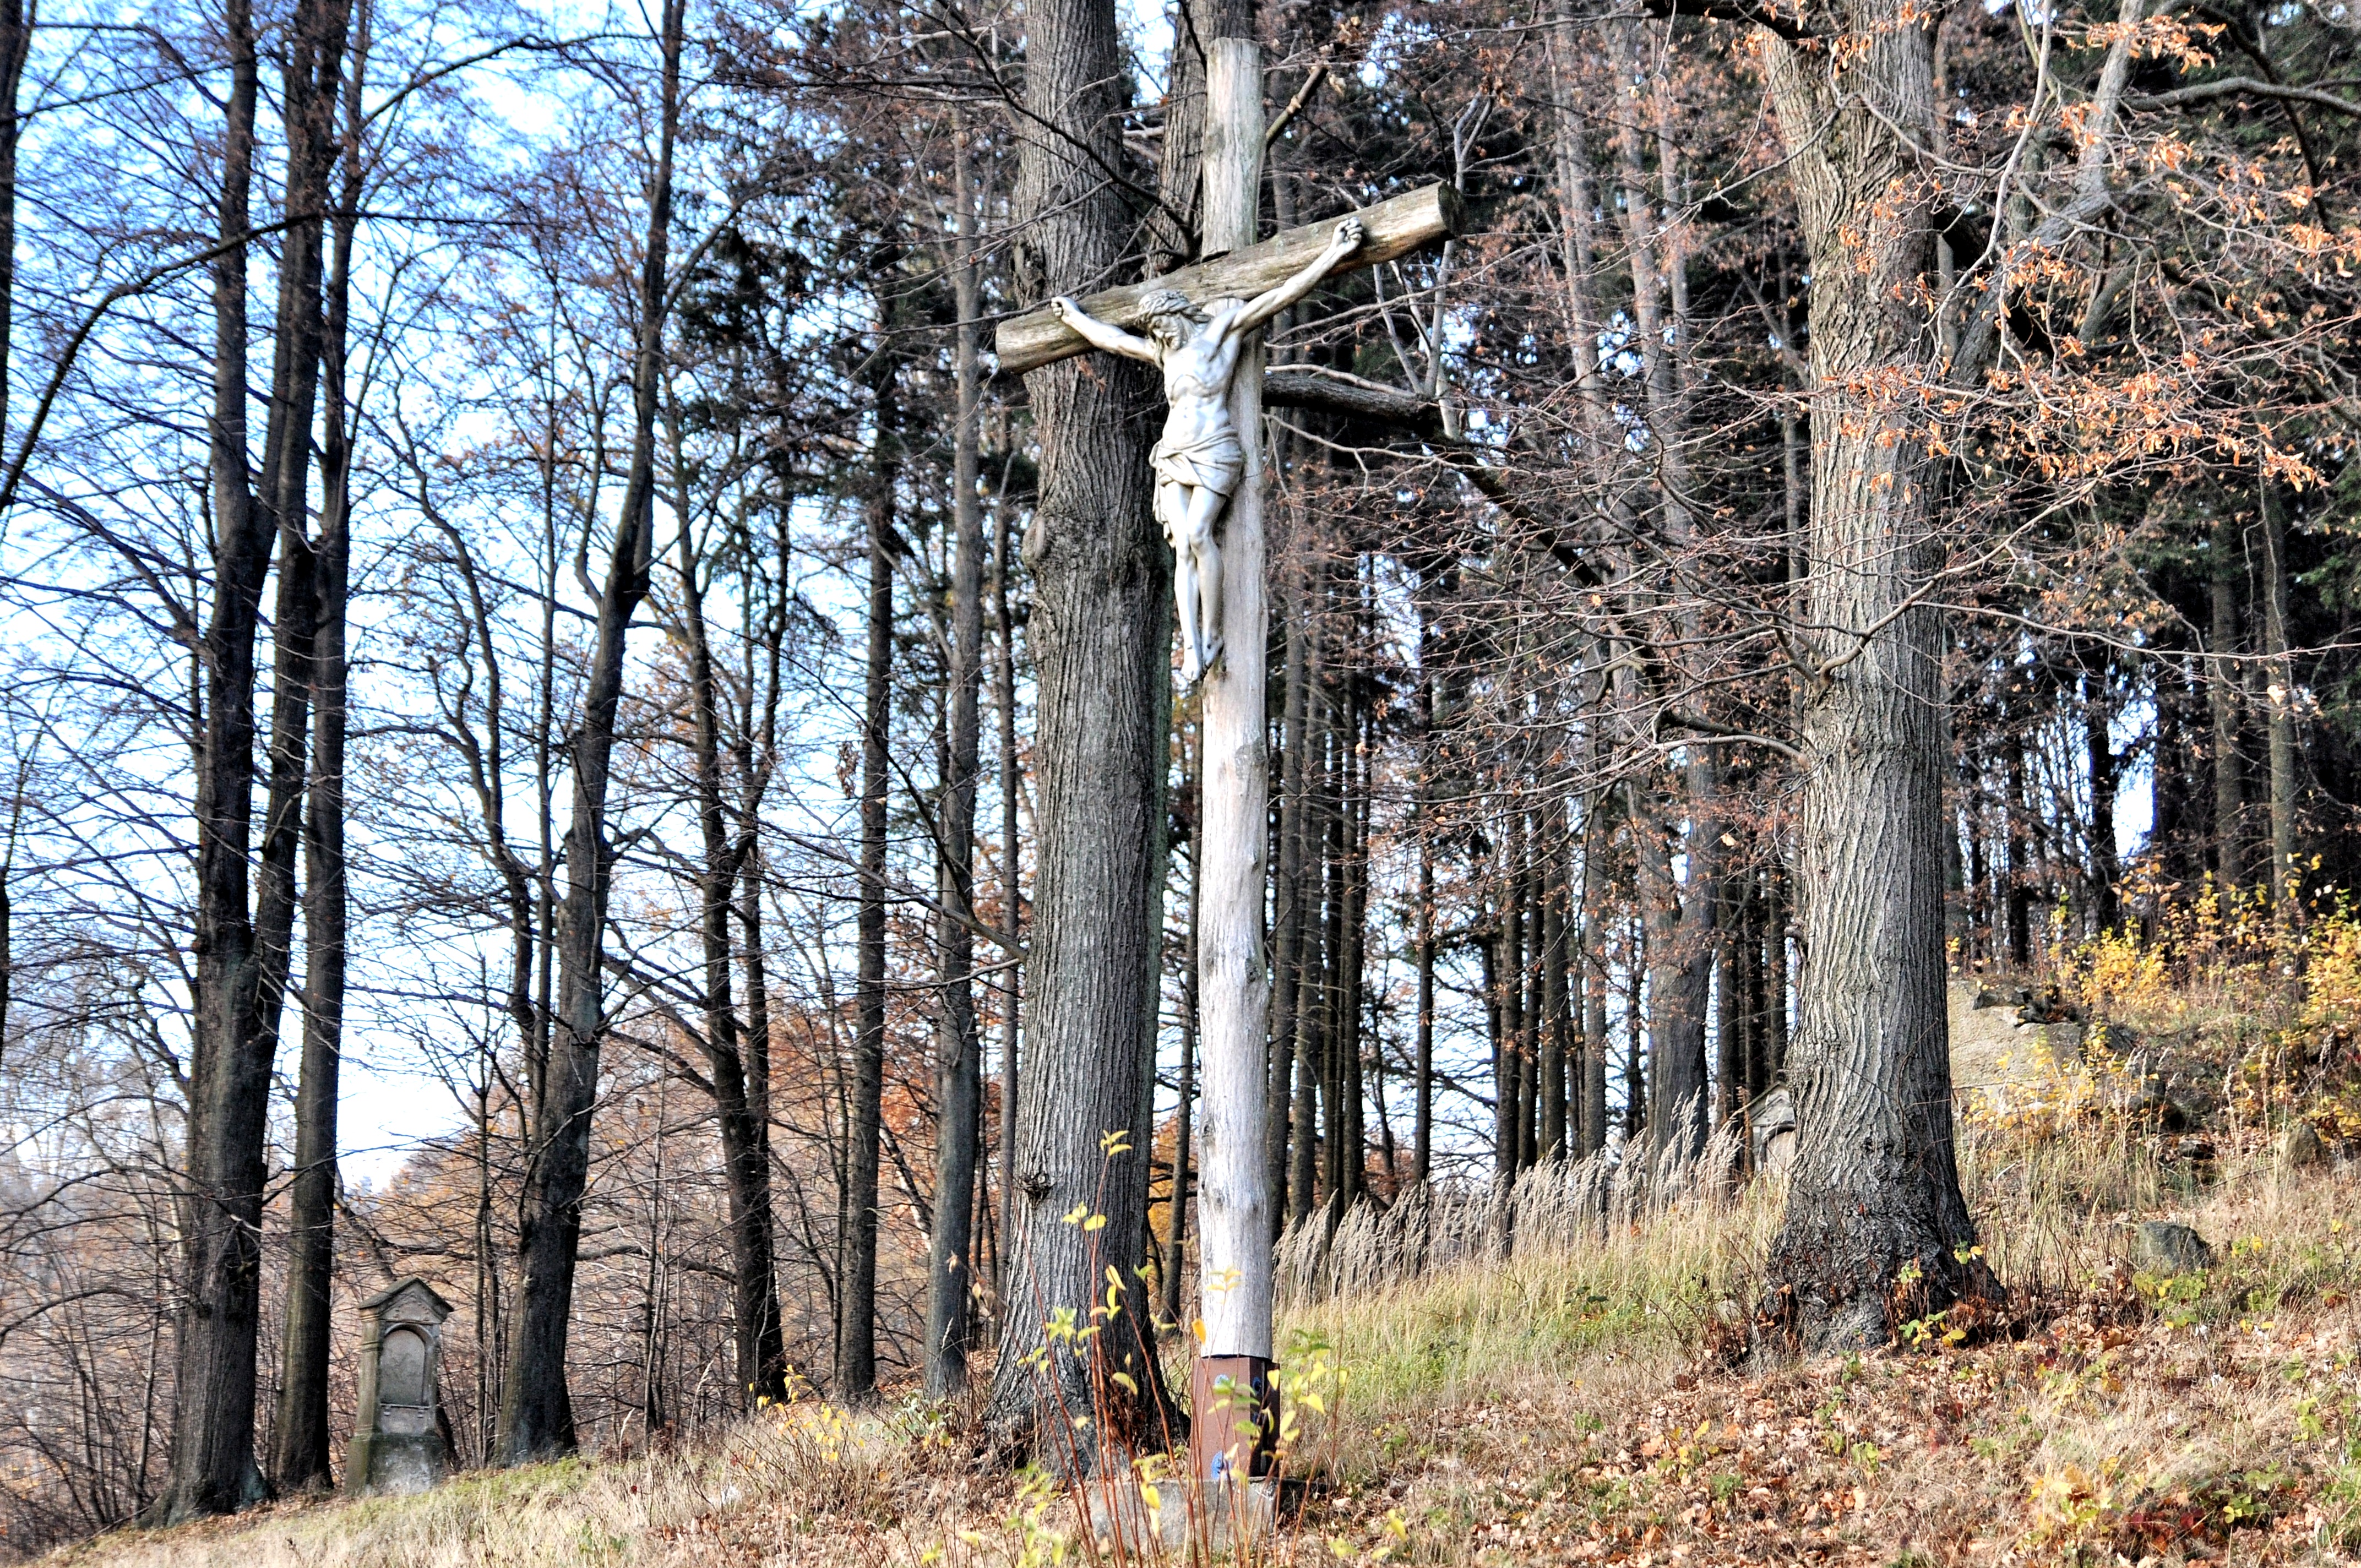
[[397, 1442]]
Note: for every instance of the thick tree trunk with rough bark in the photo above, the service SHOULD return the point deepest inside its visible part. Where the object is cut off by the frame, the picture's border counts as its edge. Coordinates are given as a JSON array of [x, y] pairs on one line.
[[958, 1066], [536, 1410], [1101, 641], [1874, 1219]]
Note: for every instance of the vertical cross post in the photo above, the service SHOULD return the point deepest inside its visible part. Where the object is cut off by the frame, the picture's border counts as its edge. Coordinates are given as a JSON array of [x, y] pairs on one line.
[[1234, 1408]]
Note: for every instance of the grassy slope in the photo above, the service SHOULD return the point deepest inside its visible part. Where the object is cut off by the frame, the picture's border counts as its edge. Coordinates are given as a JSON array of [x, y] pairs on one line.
[[1561, 1409]]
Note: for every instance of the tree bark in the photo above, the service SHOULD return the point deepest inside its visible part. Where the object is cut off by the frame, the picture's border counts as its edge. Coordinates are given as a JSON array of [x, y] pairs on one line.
[[1729, 1029], [2098, 715], [303, 1439], [1335, 806], [1556, 1022], [17, 19], [759, 1341], [1012, 891], [1101, 641], [1595, 1037], [1875, 1222], [1421, 1126], [2227, 571], [2020, 861], [1635, 1071], [536, 1410], [1774, 987], [1176, 1213], [212, 1466], [1679, 917], [1287, 968], [2287, 874], [856, 1231], [1509, 983], [1311, 765], [950, 1261], [1353, 1144]]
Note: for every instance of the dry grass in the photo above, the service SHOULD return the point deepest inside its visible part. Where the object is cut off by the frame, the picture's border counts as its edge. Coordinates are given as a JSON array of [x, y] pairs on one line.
[[1555, 1406]]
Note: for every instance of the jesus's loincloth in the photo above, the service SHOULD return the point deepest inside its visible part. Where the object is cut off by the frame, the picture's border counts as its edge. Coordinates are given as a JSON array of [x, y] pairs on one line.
[[1213, 463]]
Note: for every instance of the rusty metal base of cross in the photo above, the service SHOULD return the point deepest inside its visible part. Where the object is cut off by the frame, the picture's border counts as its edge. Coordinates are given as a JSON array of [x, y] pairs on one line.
[[1232, 1417]]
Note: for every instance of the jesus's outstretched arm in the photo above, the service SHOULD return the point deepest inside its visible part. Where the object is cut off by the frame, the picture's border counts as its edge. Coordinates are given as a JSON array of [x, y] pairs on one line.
[[1098, 335], [1263, 306]]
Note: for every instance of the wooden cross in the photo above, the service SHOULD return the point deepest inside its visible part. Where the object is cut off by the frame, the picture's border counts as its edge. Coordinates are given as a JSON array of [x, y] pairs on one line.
[[1394, 227], [1235, 1409]]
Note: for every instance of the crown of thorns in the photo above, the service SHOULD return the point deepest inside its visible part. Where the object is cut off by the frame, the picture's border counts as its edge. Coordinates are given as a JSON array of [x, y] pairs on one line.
[[1169, 303]]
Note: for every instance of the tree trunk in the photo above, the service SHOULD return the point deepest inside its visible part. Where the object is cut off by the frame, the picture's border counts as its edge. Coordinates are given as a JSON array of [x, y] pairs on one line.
[[1595, 1037], [1774, 988], [1635, 1073], [2020, 858], [1508, 986], [1422, 1125], [1526, 989], [1353, 961], [1557, 1022], [1680, 976], [2287, 874], [1012, 889], [856, 1229], [16, 22], [212, 1466], [2228, 570], [1730, 1030], [760, 1345], [1176, 1213], [950, 1261], [1312, 958], [1335, 804], [1101, 646], [536, 1410], [1875, 1217], [2098, 715], [1288, 918], [303, 1439]]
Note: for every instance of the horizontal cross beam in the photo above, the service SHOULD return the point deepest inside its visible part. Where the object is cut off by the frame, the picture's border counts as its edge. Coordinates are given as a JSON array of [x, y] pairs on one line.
[[1392, 228]]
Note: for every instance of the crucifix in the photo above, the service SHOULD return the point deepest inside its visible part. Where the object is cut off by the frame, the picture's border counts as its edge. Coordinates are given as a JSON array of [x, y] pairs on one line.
[[1201, 458], [1201, 326]]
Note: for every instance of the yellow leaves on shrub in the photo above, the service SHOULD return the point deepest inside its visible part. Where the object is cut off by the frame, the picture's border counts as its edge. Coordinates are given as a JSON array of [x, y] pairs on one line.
[[2121, 975]]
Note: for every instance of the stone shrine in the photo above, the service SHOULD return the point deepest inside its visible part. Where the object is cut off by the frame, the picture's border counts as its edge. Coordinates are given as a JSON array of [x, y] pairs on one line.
[[396, 1439]]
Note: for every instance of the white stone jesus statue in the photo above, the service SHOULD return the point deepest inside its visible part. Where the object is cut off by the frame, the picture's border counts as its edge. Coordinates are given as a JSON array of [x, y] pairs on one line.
[[1201, 458]]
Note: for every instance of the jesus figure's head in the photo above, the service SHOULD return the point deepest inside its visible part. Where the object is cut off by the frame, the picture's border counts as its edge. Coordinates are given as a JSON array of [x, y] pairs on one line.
[[1171, 319]]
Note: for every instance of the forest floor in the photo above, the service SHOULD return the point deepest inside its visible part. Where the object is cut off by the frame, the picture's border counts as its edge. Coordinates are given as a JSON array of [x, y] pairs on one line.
[[1570, 1408]]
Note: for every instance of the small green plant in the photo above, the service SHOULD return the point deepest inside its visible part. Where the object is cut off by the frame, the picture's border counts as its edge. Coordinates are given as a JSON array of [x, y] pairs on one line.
[[2174, 1297]]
